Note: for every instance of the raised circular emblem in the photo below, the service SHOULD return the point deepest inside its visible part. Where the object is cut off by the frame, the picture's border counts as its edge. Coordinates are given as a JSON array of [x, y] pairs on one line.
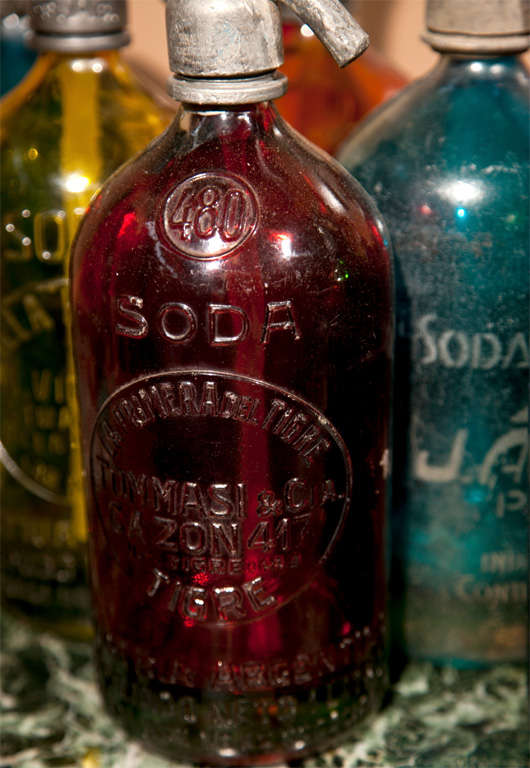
[[209, 215], [219, 495]]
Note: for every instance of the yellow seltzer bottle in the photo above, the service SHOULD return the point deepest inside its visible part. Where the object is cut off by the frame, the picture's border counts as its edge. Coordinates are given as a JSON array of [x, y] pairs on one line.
[[77, 116]]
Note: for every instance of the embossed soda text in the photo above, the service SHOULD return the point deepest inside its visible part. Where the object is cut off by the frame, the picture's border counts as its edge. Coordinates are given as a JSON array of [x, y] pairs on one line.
[[224, 325], [479, 351], [43, 235]]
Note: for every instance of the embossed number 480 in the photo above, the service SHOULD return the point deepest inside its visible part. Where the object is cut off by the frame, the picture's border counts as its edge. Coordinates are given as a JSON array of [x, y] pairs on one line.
[[209, 211]]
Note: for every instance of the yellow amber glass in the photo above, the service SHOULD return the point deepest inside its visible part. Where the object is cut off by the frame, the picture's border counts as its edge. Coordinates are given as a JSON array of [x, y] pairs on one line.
[[68, 125]]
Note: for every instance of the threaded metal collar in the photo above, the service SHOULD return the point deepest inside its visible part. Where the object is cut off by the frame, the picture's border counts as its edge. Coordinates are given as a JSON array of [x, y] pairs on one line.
[[76, 26]]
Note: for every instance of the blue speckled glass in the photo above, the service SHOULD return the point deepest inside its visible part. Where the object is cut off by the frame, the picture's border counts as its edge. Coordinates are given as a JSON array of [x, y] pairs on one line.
[[448, 164], [15, 56]]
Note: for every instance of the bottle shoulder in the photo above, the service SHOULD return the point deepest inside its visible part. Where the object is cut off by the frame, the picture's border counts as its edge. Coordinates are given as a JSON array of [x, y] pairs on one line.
[[267, 208], [134, 92], [98, 83], [448, 165], [470, 109], [287, 176], [239, 217], [70, 125]]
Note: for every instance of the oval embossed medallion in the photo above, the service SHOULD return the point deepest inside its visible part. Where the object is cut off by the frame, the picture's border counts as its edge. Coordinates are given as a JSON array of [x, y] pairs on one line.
[[219, 493], [35, 440], [209, 215]]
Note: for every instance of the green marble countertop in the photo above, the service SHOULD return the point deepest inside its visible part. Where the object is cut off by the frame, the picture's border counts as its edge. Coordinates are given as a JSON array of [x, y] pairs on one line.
[[52, 716]]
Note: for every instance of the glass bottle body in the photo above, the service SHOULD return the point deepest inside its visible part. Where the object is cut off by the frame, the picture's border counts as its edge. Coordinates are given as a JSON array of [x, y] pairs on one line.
[[324, 102], [71, 122], [232, 326], [448, 165]]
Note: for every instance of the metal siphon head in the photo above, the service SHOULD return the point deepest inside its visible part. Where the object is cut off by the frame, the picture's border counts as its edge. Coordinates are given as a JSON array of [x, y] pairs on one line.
[[478, 26], [18, 7], [77, 26], [226, 51]]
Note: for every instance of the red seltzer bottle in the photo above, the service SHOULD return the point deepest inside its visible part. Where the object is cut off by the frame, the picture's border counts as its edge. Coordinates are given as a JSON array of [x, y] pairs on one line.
[[231, 290]]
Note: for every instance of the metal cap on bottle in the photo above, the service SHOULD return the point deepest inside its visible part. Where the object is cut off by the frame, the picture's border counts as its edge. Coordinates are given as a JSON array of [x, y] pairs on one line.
[[77, 26], [289, 15], [7, 7], [478, 26], [226, 51]]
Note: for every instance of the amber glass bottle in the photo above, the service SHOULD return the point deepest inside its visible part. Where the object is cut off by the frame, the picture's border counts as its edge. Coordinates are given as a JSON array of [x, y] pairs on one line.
[[75, 118], [232, 323], [324, 102]]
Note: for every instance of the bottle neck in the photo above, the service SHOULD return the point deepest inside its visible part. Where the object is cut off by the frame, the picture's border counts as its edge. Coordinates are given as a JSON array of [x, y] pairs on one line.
[[460, 67], [78, 44], [234, 90], [77, 69], [96, 61], [195, 125], [476, 45], [242, 120]]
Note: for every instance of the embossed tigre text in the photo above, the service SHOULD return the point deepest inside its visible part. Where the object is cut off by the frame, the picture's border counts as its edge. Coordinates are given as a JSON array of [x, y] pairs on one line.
[[167, 399]]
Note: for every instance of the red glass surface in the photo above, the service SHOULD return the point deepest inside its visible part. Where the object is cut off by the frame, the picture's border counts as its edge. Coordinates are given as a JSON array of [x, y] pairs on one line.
[[232, 326]]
